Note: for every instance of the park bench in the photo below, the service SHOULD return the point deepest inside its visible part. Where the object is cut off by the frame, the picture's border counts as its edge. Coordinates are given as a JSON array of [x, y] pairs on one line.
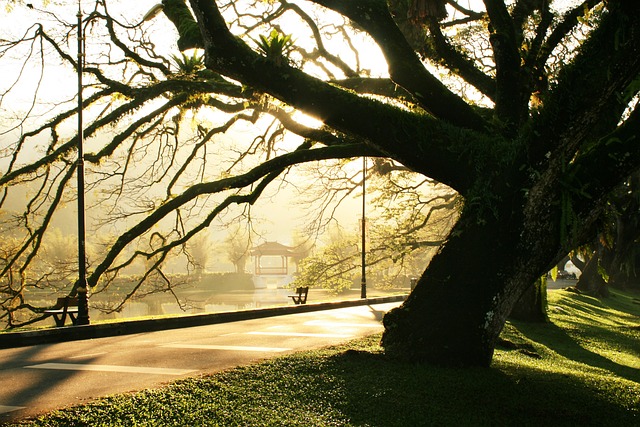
[[64, 306], [301, 295]]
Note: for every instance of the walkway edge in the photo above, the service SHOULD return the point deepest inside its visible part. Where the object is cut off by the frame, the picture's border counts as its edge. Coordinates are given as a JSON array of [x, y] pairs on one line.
[[74, 333]]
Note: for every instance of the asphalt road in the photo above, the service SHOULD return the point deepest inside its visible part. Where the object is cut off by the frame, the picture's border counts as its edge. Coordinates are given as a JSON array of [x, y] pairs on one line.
[[40, 378]]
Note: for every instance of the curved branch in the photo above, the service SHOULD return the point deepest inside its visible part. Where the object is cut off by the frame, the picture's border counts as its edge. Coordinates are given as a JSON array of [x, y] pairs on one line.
[[139, 97], [128, 52], [462, 65], [35, 240], [397, 132], [568, 23], [266, 169]]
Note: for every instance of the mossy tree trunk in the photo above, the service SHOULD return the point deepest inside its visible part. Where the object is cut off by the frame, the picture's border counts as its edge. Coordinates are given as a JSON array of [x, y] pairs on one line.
[[458, 308], [456, 312], [532, 305], [591, 281]]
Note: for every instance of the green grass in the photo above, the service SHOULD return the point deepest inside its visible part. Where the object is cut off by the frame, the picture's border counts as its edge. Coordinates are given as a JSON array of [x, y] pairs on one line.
[[582, 369]]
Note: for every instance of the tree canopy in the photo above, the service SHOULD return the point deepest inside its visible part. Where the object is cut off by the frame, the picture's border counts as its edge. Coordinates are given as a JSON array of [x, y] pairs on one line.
[[526, 108]]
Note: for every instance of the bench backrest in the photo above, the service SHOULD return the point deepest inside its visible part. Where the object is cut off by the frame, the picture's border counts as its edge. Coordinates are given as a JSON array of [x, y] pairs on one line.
[[302, 294], [63, 302]]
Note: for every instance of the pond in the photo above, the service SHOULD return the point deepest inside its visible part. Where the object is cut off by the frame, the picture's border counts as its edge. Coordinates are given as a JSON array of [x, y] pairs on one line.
[[198, 300]]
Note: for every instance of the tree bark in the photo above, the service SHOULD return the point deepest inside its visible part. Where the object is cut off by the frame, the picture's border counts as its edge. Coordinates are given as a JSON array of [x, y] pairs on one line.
[[578, 263], [532, 305], [591, 281], [458, 308], [624, 259]]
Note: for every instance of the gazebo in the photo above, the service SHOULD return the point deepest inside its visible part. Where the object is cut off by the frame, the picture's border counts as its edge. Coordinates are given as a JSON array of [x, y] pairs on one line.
[[275, 264]]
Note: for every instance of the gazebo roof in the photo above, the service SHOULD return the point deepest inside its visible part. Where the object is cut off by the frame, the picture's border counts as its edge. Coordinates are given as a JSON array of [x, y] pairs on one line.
[[273, 248]]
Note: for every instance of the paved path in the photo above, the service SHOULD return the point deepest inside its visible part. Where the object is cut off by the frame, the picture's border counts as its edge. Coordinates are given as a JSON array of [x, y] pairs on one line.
[[41, 378]]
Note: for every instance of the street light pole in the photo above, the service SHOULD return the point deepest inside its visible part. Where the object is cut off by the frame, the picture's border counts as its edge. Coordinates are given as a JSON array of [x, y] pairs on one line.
[[363, 283], [81, 287]]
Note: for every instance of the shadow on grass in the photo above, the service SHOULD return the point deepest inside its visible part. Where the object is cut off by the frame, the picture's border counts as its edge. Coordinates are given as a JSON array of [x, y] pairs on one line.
[[420, 395], [579, 321], [558, 340]]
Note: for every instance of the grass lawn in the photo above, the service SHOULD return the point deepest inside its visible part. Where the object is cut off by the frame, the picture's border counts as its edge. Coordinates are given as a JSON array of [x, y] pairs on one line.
[[581, 369]]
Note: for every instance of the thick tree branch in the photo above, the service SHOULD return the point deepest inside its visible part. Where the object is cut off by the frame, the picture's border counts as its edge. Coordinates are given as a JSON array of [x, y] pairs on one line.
[[405, 67], [607, 62], [561, 30], [395, 132], [461, 65], [511, 99]]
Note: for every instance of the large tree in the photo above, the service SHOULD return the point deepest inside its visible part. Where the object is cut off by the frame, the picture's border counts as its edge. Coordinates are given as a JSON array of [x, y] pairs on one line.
[[526, 108]]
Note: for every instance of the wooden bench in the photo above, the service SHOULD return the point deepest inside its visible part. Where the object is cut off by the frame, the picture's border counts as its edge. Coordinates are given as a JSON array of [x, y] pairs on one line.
[[301, 295], [64, 306]]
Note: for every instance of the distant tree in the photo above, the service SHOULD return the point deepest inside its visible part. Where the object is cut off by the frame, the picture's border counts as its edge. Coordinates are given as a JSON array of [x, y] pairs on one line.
[[532, 305], [593, 278], [622, 248], [198, 252], [302, 245], [527, 109], [334, 266], [613, 257], [237, 247]]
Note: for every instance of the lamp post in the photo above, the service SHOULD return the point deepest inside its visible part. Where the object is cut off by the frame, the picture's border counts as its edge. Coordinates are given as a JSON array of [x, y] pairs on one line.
[[363, 282], [81, 286]]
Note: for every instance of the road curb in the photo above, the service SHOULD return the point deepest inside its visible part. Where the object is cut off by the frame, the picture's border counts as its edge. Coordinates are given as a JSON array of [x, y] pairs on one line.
[[74, 333]]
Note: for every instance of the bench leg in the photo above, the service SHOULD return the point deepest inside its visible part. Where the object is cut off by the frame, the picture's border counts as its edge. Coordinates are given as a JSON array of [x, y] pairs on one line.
[[59, 320]]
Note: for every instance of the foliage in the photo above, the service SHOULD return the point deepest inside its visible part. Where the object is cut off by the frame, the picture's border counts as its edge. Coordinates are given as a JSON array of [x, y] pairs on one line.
[[407, 218], [275, 46], [334, 268], [188, 64], [614, 247], [587, 358]]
